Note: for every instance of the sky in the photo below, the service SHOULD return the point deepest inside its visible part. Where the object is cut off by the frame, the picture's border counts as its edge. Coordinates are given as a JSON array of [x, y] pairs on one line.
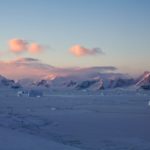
[[77, 33]]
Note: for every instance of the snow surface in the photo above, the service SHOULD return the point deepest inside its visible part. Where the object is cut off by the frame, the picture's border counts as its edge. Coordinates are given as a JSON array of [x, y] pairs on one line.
[[106, 120]]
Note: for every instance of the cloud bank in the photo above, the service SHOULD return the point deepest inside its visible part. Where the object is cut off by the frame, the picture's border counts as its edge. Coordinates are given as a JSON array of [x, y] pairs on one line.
[[35, 69], [80, 51]]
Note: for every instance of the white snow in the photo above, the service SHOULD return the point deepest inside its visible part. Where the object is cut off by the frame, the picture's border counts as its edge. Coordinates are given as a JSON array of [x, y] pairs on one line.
[[108, 120], [149, 103], [14, 140]]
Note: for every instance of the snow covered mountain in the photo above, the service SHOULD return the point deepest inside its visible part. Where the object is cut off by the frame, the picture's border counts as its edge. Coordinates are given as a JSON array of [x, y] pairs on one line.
[[92, 82], [105, 84], [4, 82], [144, 81]]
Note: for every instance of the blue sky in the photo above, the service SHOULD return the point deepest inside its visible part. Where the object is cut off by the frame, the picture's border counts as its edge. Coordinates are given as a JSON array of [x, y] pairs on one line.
[[121, 28]]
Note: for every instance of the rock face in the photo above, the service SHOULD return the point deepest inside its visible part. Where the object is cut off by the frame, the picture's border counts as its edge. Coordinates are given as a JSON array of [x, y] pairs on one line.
[[71, 84], [43, 83], [86, 84], [144, 81]]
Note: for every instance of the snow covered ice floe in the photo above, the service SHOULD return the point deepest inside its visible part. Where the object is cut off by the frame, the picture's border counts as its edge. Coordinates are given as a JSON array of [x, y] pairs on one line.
[[149, 103], [13, 140], [108, 120]]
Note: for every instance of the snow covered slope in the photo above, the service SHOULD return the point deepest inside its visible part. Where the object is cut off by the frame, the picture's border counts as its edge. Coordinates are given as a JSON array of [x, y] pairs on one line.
[[144, 81]]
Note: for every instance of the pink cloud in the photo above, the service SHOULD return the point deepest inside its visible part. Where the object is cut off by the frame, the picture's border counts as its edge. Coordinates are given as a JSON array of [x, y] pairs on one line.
[[35, 69], [17, 45], [80, 51], [35, 48]]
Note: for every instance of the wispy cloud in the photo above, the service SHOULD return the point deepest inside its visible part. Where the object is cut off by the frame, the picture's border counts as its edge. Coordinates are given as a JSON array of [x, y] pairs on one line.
[[18, 46], [80, 51], [22, 60]]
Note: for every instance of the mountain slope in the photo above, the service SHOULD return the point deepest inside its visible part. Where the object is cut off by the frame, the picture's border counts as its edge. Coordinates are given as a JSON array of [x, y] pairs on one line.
[[144, 81]]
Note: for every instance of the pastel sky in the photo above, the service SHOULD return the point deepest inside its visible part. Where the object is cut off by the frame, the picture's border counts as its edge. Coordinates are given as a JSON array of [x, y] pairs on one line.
[[84, 33]]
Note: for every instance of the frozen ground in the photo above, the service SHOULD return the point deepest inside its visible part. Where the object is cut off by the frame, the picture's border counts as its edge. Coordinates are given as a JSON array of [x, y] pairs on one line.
[[113, 120]]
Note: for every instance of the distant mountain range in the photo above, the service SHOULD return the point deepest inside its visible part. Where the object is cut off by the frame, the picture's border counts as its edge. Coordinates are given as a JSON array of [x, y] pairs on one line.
[[91, 82]]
